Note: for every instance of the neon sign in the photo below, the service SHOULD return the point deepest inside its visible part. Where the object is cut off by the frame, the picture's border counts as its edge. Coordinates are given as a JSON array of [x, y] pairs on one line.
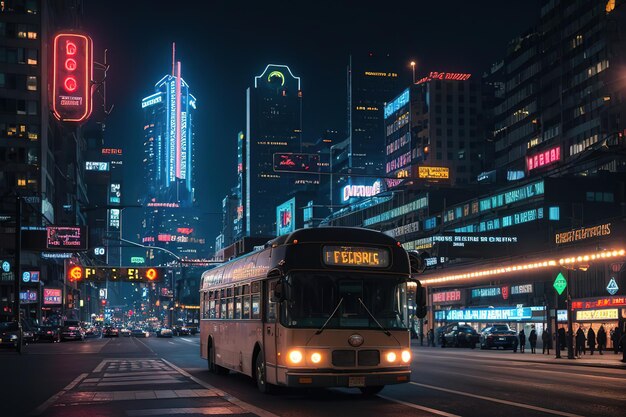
[[111, 151], [285, 217], [66, 237], [446, 296], [276, 74], [544, 158], [619, 301], [433, 172], [350, 191], [455, 76], [151, 100], [71, 78], [355, 256], [583, 233], [397, 103], [608, 314]]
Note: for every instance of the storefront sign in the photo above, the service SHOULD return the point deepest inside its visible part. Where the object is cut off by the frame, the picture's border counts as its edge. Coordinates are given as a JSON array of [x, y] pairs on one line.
[[286, 217], [52, 296], [561, 315], [560, 283], [612, 287], [486, 292], [433, 172], [487, 314], [603, 302], [66, 237], [582, 234], [447, 296], [607, 314], [522, 289], [544, 158]]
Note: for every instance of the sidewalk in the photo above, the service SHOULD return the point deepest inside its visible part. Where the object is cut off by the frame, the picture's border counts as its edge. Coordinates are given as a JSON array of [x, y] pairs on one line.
[[608, 360]]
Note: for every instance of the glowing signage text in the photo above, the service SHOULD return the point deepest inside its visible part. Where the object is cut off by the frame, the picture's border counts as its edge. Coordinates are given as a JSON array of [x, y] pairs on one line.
[[544, 158], [583, 233], [433, 172], [350, 191], [356, 256], [607, 314]]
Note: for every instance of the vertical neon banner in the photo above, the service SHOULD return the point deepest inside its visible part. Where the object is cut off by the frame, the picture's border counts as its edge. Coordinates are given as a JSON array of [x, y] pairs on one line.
[[178, 77]]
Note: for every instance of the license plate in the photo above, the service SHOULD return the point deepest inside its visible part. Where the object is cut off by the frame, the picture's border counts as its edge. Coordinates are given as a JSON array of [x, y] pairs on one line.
[[501, 338], [356, 381]]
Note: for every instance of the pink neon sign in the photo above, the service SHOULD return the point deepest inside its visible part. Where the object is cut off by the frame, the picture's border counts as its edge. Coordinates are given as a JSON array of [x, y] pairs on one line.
[[544, 158]]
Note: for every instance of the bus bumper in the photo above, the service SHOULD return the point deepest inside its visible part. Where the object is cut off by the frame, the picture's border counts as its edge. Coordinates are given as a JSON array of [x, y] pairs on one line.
[[351, 380]]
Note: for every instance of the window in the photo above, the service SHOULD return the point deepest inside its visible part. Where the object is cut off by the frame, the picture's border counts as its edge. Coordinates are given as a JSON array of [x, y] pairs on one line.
[[270, 306], [554, 213], [32, 57], [31, 83]]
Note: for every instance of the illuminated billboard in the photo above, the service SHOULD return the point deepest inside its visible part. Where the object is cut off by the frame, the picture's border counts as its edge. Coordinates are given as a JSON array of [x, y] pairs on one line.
[[397, 103], [52, 296], [547, 157], [96, 166], [361, 190], [72, 77], [65, 238], [115, 193], [296, 162], [439, 173], [286, 217], [103, 274]]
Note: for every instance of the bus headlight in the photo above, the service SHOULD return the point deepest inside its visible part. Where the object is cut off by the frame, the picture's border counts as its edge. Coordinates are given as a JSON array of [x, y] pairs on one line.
[[406, 356], [295, 356], [391, 357], [316, 357]]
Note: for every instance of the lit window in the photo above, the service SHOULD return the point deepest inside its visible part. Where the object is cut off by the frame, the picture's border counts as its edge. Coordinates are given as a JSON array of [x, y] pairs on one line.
[[554, 213], [31, 83], [32, 35], [21, 182]]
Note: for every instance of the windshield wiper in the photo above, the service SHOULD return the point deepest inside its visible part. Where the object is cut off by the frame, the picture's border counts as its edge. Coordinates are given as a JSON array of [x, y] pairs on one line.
[[331, 316], [387, 332]]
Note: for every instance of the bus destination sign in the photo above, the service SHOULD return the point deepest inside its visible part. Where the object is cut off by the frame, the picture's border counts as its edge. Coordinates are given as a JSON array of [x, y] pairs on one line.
[[356, 256]]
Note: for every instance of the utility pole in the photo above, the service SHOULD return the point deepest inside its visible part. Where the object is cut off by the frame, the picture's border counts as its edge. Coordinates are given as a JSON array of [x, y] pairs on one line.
[[18, 258]]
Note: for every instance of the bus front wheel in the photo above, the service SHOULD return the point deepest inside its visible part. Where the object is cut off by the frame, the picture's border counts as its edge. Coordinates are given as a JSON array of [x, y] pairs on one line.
[[260, 374], [213, 367], [371, 391]]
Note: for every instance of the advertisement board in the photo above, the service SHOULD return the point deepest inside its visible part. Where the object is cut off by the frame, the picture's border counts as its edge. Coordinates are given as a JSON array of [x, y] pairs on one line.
[[66, 238], [52, 296], [438, 173], [286, 217]]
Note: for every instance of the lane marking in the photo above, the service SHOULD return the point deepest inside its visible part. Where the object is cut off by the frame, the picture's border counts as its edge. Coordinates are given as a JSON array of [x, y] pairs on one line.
[[419, 407], [171, 343], [497, 400], [187, 340], [246, 406], [43, 407]]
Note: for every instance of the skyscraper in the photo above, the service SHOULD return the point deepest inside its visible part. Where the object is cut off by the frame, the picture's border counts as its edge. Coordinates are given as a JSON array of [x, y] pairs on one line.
[[273, 125]]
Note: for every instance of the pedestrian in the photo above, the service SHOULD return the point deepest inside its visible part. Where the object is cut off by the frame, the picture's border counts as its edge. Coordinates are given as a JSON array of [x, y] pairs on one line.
[[545, 339], [601, 336], [442, 338], [561, 342], [522, 341], [580, 341], [617, 335], [591, 340], [532, 338], [431, 338]]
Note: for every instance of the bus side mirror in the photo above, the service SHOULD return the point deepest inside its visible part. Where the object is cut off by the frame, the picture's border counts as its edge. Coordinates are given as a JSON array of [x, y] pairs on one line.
[[420, 301], [278, 295]]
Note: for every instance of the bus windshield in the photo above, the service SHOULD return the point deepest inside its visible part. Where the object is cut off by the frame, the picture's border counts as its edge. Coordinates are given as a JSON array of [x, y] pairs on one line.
[[311, 298]]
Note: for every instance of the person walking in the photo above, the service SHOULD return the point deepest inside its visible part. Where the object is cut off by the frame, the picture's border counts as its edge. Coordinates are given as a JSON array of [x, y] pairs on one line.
[[545, 339], [532, 338], [580, 341], [591, 340], [601, 336], [617, 335], [522, 341], [431, 338]]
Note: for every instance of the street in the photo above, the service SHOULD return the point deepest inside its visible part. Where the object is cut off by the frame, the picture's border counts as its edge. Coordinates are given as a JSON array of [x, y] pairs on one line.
[[154, 376]]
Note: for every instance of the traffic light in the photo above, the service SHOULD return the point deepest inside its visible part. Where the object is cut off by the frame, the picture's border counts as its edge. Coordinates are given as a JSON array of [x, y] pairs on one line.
[[72, 77]]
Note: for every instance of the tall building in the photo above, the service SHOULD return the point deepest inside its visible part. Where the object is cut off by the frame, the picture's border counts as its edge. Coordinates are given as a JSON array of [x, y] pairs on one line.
[[273, 125], [372, 81], [434, 131], [239, 226], [171, 219]]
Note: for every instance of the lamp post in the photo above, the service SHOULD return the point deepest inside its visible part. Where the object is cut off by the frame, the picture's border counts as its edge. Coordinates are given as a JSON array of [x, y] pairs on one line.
[[413, 70]]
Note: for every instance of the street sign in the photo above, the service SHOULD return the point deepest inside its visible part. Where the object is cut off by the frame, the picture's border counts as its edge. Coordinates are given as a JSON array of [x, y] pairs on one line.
[[612, 287], [560, 283]]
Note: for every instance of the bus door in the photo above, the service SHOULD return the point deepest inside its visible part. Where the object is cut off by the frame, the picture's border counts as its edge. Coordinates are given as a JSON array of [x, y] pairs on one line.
[[270, 331]]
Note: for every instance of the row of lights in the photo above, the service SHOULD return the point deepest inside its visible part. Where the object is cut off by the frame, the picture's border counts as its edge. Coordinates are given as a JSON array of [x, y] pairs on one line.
[[525, 267]]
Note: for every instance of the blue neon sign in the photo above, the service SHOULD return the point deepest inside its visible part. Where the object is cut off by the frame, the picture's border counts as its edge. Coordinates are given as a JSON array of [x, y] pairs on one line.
[[397, 103], [487, 314]]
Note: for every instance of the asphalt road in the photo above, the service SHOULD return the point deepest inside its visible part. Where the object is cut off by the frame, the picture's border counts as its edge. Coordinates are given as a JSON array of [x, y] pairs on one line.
[[153, 377]]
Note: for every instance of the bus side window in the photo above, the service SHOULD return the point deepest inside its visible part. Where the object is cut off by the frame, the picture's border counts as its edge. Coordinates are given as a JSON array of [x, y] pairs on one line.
[[255, 289], [212, 305], [246, 307], [238, 307], [270, 312]]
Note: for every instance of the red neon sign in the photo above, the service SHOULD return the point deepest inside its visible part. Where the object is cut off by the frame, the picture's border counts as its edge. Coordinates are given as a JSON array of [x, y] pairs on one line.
[[71, 79], [546, 157], [434, 75]]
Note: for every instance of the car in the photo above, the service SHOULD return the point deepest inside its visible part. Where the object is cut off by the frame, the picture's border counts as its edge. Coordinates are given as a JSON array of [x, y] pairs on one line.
[[9, 334], [49, 333], [459, 335], [498, 336], [164, 332], [125, 332], [181, 330], [140, 333], [72, 332], [110, 331]]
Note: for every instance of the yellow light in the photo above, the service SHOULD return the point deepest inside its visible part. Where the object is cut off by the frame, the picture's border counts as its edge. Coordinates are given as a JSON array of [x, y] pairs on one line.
[[622, 252], [586, 258], [614, 253], [316, 358], [579, 259], [406, 356], [295, 356], [391, 357], [412, 63], [561, 261]]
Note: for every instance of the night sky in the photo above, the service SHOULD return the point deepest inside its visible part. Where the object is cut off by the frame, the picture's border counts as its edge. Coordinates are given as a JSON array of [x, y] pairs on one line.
[[223, 44]]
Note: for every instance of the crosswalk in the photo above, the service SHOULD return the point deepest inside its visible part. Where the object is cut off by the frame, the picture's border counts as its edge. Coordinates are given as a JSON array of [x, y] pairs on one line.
[[143, 387]]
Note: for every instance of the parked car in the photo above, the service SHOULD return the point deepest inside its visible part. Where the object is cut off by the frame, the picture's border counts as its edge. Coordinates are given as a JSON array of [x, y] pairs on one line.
[[180, 330], [459, 335], [125, 332], [48, 333], [72, 332], [164, 332], [110, 331], [498, 336], [140, 333], [9, 334]]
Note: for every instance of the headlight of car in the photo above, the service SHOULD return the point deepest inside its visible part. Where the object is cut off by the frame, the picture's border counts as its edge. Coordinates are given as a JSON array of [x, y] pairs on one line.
[[13, 337]]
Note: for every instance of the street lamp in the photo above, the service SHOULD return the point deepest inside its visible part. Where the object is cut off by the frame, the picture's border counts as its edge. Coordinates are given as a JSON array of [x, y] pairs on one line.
[[413, 69]]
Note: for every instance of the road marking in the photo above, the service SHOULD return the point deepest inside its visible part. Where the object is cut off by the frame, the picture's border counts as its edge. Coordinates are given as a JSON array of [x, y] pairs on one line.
[[187, 340], [37, 411], [419, 407], [497, 400], [171, 343], [246, 406], [171, 411]]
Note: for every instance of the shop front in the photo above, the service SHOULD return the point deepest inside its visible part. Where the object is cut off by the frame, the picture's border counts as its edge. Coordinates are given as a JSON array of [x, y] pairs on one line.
[[592, 313]]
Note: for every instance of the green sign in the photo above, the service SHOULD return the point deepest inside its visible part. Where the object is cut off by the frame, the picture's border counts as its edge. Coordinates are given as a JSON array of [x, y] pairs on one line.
[[137, 260], [560, 283]]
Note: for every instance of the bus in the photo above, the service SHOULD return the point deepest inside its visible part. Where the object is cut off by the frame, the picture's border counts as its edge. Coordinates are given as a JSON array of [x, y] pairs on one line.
[[319, 307]]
